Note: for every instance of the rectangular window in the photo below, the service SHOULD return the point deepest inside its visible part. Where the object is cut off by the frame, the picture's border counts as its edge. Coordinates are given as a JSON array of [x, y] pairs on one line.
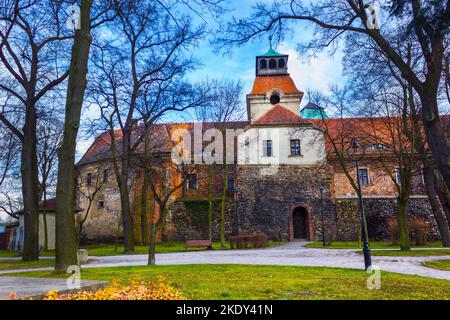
[[230, 182], [192, 182], [398, 176], [89, 179], [364, 176], [105, 175], [267, 148], [295, 148], [101, 204]]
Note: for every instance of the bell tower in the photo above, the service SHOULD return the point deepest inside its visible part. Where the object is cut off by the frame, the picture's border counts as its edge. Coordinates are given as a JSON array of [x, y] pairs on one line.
[[273, 86]]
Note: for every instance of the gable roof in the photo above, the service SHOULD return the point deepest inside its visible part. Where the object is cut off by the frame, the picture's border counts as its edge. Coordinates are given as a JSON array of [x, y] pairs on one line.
[[279, 115], [50, 206], [264, 84], [160, 139]]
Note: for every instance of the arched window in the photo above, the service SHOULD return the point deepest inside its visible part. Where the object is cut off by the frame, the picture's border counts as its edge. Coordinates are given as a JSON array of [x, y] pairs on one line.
[[263, 64], [272, 64], [281, 63]]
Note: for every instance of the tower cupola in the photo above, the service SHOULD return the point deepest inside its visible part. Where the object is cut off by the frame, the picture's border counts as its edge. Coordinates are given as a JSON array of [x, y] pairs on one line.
[[272, 63]]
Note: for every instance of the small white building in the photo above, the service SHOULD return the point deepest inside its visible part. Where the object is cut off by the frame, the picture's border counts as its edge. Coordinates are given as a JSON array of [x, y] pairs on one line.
[[46, 216]]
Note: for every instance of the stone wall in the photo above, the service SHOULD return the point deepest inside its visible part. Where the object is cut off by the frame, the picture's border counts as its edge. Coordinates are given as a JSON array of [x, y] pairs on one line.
[[380, 183], [188, 220], [378, 213], [268, 198]]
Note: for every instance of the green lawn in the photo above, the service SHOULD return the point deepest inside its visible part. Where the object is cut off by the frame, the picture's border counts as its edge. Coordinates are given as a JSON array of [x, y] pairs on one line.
[[373, 245], [19, 264], [8, 254], [109, 249], [412, 253], [221, 282], [162, 247], [438, 264]]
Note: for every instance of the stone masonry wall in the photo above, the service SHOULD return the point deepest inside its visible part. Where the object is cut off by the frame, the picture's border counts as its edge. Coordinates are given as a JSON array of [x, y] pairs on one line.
[[378, 213], [182, 225], [266, 201]]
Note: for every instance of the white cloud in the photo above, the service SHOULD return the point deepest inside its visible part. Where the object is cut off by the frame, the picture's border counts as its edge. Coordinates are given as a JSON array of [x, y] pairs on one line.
[[315, 74], [83, 145]]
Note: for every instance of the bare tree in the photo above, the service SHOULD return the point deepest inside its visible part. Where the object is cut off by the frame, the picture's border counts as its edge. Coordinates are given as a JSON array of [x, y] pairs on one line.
[[49, 133], [164, 179], [32, 56], [375, 77], [9, 171], [145, 58], [421, 22], [90, 18], [225, 107]]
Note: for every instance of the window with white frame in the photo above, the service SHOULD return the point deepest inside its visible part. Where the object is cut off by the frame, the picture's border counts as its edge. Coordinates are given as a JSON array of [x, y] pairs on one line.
[[295, 148]]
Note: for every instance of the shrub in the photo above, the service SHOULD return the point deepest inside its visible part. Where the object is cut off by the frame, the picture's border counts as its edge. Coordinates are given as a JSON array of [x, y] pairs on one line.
[[137, 289], [258, 240], [419, 231], [394, 233]]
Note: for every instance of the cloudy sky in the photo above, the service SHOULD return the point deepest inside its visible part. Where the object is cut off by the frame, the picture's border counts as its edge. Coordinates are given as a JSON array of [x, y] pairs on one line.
[[315, 74]]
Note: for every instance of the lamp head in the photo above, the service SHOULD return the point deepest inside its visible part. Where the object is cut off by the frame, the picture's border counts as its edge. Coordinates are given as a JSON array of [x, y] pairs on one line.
[[355, 151]]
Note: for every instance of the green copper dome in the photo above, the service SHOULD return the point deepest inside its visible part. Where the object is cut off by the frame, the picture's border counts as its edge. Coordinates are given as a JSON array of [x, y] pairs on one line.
[[313, 111], [272, 53]]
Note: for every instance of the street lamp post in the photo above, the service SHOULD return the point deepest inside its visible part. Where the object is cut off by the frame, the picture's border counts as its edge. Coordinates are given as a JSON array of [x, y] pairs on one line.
[[356, 152], [324, 242], [236, 214]]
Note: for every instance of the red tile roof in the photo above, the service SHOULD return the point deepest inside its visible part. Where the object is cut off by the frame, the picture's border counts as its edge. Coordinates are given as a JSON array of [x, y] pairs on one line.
[[264, 84], [160, 139], [279, 115]]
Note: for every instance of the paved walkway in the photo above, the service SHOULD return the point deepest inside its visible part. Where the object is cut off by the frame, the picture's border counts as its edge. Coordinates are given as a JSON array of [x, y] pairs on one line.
[[291, 254]]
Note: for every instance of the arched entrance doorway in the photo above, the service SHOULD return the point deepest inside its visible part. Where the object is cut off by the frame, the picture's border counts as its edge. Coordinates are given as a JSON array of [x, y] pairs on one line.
[[300, 224]]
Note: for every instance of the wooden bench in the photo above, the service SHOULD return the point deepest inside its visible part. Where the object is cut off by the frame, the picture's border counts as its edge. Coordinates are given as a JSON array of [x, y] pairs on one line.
[[198, 244]]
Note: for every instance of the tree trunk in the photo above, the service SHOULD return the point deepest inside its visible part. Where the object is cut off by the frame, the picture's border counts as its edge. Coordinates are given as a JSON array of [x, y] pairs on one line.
[[402, 219], [66, 243], [441, 220], [127, 223], [152, 240], [144, 223], [222, 205], [152, 245], [444, 196], [435, 134], [30, 186], [44, 218], [210, 202]]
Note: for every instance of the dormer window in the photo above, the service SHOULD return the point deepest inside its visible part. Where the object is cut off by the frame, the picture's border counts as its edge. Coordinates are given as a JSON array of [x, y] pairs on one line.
[[272, 64], [263, 64]]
